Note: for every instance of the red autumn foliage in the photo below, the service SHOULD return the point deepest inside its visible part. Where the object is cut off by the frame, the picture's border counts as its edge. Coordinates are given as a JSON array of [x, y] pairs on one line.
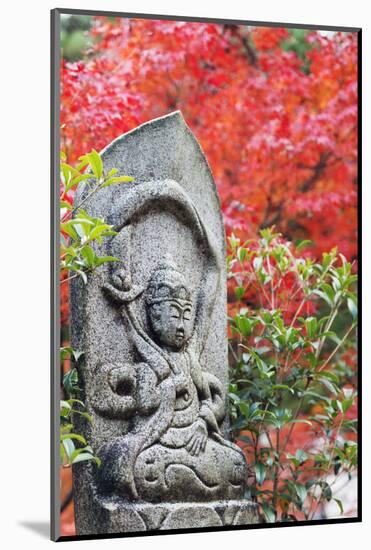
[[282, 143]]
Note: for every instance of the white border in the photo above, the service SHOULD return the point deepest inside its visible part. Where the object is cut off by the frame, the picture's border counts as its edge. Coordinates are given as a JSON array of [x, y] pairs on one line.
[[24, 219]]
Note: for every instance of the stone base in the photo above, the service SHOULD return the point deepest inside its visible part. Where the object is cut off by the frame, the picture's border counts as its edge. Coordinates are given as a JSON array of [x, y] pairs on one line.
[[114, 516]]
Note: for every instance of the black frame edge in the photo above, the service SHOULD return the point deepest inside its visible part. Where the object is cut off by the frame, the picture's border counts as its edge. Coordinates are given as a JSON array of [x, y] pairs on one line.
[[54, 287], [310, 523], [168, 17], [359, 259]]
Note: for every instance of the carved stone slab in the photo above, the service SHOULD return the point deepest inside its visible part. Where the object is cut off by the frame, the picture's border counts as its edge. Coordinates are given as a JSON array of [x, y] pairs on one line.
[[153, 329], [111, 515]]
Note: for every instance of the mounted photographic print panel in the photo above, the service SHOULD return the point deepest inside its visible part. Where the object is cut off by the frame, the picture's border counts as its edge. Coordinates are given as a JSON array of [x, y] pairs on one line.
[[205, 259]]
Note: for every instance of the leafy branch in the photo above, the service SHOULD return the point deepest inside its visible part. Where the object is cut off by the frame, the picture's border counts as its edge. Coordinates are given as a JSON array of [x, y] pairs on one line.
[[80, 233], [79, 230], [289, 372]]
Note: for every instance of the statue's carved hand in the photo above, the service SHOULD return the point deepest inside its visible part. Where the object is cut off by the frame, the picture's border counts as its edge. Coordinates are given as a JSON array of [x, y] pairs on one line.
[[198, 440]]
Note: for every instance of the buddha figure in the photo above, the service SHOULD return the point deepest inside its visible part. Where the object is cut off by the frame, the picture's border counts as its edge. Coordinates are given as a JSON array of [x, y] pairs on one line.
[[174, 449]]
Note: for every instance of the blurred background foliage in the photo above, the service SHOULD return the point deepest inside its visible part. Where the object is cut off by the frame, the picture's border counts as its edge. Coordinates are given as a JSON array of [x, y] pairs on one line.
[[75, 39]]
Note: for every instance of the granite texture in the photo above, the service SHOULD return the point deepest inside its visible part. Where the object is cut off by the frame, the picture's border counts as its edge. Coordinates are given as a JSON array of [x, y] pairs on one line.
[[110, 514], [153, 329]]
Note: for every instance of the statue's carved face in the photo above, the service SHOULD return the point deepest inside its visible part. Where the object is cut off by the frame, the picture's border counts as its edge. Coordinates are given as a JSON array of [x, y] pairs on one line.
[[172, 323]]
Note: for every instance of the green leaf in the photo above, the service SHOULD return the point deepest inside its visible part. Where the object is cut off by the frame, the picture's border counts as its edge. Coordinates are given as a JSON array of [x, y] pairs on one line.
[[234, 241], [331, 376], [245, 439], [65, 352], [123, 179], [112, 172], [260, 472], [78, 437], [83, 456], [70, 381], [65, 408], [340, 504], [346, 404], [329, 385], [84, 161], [98, 230], [71, 231], [327, 491], [244, 408], [62, 453], [266, 316], [96, 163], [293, 459], [66, 173], [300, 421], [118, 179], [79, 221], [301, 455], [311, 326], [77, 179], [303, 244], [318, 398], [282, 387], [69, 447], [352, 306], [337, 465], [239, 292], [241, 254], [244, 325], [66, 428], [332, 335], [301, 491], [234, 398], [329, 291], [65, 204], [83, 276], [262, 350], [311, 357], [324, 296], [82, 451], [269, 513], [257, 263], [88, 254]]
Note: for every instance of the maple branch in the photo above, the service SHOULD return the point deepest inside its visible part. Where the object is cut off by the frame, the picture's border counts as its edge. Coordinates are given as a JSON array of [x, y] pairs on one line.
[[272, 214], [318, 170], [243, 36]]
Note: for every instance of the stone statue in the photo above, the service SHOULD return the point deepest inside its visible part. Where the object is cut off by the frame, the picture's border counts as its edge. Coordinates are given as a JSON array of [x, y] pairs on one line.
[[153, 330], [175, 449]]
